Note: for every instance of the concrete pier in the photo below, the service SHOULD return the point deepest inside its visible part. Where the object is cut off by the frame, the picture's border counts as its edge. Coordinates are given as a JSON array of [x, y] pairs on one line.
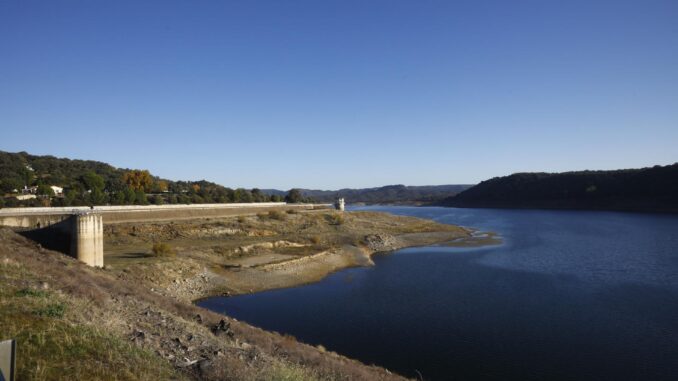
[[87, 239], [340, 204]]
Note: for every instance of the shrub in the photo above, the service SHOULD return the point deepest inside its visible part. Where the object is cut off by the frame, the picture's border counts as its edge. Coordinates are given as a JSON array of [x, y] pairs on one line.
[[31, 292], [241, 219], [55, 310], [335, 219], [292, 211], [315, 239], [276, 215], [140, 197], [161, 249], [262, 216]]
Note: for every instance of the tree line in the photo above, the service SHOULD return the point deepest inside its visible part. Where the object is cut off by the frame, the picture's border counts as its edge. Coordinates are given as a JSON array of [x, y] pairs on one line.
[[86, 182]]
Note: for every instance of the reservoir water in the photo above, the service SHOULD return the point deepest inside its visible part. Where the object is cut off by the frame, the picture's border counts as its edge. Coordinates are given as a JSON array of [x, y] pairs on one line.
[[568, 295]]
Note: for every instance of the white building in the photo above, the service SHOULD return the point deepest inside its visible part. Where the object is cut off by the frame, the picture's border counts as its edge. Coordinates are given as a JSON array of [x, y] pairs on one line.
[[22, 197], [58, 191]]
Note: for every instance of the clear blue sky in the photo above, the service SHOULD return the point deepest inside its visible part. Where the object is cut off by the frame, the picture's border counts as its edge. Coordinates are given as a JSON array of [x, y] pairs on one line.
[[330, 94]]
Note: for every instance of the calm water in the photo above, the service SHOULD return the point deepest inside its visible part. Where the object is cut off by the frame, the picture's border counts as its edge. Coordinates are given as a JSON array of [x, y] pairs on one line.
[[569, 295]]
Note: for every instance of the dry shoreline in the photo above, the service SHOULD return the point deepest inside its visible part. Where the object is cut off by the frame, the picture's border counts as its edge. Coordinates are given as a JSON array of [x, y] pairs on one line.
[[247, 254], [314, 268]]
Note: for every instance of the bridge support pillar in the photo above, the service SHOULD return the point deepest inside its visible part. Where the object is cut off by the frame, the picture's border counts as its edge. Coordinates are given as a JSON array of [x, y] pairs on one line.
[[87, 240]]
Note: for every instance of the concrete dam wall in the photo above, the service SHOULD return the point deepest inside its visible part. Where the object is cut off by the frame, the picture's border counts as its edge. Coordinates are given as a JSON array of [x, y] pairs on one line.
[[80, 235], [79, 231]]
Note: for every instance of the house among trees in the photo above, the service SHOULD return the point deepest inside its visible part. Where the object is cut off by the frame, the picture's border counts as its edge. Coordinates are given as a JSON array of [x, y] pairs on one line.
[[29, 190], [58, 191]]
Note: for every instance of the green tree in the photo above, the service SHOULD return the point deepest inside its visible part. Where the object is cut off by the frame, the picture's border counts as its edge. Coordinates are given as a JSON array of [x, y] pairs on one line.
[[27, 176], [294, 196], [69, 197], [130, 196], [8, 185], [257, 195], [118, 198], [91, 181], [97, 197], [242, 195], [158, 200], [45, 190], [140, 197]]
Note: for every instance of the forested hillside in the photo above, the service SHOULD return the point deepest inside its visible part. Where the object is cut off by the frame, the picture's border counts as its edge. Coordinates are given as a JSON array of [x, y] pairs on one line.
[[383, 195], [646, 189], [87, 182]]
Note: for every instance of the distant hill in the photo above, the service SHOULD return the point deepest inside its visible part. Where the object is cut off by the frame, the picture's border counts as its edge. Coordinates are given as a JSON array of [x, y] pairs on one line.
[[646, 189], [389, 194], [87, 182]]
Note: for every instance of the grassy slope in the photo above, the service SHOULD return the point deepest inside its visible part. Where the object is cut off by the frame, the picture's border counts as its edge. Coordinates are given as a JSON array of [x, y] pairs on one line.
[[75, 322], [54, 341]]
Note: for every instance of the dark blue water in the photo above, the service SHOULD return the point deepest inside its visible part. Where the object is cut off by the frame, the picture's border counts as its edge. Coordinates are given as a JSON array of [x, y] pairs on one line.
[[567, 296]]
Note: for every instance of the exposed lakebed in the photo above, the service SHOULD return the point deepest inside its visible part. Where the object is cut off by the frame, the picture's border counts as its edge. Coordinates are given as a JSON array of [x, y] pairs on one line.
[[567, 295]]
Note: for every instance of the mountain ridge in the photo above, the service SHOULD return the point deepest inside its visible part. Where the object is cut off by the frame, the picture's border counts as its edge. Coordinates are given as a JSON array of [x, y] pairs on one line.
[[652, 189], [388, 194]]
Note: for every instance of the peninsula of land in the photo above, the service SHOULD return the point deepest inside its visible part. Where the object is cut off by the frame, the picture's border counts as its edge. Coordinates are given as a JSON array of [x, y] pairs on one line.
[[244, 254]]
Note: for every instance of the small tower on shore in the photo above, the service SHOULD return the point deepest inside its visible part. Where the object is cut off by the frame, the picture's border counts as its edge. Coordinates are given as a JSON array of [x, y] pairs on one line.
[[339, 204]]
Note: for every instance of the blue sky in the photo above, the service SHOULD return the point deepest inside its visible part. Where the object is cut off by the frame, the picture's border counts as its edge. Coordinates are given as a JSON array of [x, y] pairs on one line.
[[331, 94]]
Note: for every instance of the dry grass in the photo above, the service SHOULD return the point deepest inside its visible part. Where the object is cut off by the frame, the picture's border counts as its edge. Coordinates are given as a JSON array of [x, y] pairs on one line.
[[277, 215], [51, 347], [335, 219], [80, 341], [161, 249], [282, 371]]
